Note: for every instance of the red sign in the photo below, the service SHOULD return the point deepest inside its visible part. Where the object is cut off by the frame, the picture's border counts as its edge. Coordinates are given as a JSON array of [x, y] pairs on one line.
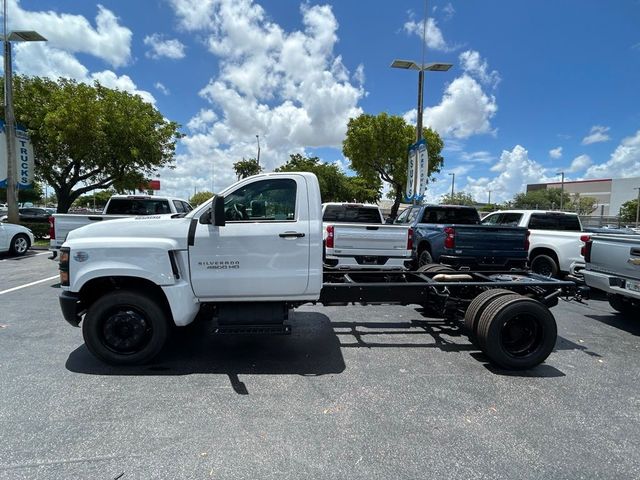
[[152, 185]]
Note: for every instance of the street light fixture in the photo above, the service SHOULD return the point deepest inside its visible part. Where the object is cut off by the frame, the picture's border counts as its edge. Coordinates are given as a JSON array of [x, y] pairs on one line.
[[10, 121], [453, 181], [561, 189], [420, 67]]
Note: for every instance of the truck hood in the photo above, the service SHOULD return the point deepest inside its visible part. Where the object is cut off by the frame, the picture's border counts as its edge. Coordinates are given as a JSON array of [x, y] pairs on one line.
[[137, 229]]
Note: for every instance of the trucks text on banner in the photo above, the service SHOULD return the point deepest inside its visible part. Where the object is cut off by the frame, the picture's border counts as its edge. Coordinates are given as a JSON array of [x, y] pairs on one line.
[[24, 166], [417, 171]]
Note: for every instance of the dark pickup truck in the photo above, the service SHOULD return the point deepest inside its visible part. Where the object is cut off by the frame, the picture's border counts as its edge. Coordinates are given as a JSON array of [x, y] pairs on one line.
[[452, 235]]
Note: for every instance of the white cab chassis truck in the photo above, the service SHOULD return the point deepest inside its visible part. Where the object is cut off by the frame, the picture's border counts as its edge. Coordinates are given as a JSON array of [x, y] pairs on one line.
[[254, 252]]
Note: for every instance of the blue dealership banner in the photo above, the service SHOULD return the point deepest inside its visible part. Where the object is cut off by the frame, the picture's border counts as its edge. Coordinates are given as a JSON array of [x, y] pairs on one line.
[[417, 172], [24, 161]]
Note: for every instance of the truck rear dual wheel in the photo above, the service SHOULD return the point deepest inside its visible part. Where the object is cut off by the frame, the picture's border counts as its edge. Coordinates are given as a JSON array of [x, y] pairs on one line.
[[435, 268], [477, 306], [516, 332], [125, 328]]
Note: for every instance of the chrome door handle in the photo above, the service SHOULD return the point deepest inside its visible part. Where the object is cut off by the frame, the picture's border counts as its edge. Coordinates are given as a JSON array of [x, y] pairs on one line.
[[291, 235]]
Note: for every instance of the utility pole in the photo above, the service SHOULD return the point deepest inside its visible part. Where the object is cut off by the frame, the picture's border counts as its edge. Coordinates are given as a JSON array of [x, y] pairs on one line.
[[258, 158], [561, 189], [453, 181], [637, 206], [489, 201]]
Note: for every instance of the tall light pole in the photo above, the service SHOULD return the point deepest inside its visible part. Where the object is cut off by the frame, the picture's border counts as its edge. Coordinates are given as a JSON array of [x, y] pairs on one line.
[[637, 206], [9, 116], [258, 159], [421, 68], [453, 181], [561, 189], [489, 201]]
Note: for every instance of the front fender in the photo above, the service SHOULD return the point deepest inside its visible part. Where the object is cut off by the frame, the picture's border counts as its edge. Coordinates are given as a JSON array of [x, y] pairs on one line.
[[142, 258]]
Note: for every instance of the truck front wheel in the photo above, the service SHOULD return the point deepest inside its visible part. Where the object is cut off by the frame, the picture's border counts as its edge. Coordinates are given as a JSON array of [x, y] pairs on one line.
[[125, 328]]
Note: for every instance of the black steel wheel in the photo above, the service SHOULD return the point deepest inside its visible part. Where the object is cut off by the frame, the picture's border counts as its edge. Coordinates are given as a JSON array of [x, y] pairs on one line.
[[477, 306], [544, 265], [125, 328], [517, 333], [19, 244], [425, 258]]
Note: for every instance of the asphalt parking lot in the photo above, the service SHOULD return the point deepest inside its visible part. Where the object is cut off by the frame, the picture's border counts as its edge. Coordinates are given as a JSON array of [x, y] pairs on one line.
[[354, 392]]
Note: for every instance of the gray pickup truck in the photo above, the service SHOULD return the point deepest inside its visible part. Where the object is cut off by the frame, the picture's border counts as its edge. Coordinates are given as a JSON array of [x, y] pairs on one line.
[[613, 266], [453, 235]]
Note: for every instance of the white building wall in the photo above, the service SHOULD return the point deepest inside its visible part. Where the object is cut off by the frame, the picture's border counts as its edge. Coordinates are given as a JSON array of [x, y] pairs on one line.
[[622, 190]]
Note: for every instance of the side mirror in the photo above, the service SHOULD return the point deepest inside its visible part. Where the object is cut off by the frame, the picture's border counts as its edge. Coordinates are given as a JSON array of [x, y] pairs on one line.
[[215, 214]]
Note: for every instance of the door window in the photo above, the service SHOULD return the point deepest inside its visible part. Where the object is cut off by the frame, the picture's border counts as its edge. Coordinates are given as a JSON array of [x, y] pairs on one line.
[[179, 206], [266, 200]]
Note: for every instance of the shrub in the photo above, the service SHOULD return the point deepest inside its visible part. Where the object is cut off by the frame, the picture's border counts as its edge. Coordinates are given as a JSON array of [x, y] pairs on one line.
[[40, 230]]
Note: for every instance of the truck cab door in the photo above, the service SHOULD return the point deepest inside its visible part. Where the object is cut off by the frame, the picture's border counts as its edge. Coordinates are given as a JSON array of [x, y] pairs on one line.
[[262, 251]]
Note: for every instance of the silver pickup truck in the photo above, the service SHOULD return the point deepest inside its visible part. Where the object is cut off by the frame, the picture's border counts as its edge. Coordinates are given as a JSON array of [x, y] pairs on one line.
[[613, 266]]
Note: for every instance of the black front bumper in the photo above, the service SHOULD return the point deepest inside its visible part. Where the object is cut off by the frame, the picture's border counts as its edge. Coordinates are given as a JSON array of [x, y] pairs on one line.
[[71, 307]]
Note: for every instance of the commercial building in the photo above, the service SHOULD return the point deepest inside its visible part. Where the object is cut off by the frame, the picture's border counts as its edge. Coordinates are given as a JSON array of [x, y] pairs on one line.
[[610, 193]]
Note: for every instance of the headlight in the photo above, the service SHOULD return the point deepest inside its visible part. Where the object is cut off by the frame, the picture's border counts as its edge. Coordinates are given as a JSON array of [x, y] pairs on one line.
[[65, 253]]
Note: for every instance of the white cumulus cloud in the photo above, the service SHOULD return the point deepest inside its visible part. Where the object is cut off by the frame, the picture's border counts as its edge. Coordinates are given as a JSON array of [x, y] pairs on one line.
[[286, 86], [597, 134], [465, 110], [477, 67], [160, 47], [555, 153], [580, 163], [433, 35], [624, 161], [108, 40]]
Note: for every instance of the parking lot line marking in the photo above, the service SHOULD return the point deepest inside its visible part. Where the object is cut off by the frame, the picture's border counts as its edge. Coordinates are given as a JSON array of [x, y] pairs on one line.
[[27, 285]]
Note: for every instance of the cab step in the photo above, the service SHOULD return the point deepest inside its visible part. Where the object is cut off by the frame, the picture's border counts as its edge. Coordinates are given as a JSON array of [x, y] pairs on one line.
[[265, 329]]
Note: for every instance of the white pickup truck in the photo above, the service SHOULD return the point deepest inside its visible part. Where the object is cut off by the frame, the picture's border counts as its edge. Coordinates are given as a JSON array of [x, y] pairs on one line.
[[554, 240], [252, 253], [613, 266], [355, 237], [118, 206]]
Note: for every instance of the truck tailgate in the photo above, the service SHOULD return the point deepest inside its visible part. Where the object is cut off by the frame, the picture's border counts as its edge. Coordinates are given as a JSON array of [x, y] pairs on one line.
[[490, 240], [616, 254], [359, 239]]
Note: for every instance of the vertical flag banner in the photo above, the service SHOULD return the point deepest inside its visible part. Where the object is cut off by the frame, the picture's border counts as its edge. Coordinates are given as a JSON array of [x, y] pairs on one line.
[[24, 162], [417, 171], [423, 169]]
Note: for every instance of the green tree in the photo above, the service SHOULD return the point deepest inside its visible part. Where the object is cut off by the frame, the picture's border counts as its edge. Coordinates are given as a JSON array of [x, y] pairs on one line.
[[584, 205], [199, 198], [246, 168], [628, 211], [546, 198], [335, 186], [377, 147], [458, 198], [99, 197], [89, 137]]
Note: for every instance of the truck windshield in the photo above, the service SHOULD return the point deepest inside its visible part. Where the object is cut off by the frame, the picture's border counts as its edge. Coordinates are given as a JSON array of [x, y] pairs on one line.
[[137, 206], [351, 214]]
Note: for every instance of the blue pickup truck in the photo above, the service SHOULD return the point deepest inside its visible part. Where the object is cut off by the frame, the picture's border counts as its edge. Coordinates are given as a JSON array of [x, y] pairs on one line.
[[452, 235]]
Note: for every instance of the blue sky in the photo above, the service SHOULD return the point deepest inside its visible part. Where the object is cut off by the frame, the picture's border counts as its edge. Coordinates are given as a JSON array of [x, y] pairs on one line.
[[536, 87]]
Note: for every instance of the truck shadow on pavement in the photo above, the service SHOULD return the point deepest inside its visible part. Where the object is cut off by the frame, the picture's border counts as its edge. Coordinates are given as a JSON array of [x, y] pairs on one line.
[[381, 335], [311, 349], [619, 321]]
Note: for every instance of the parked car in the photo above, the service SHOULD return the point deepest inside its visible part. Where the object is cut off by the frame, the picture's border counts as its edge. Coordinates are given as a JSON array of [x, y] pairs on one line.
[[613, 266], [554, 240], [355, 237], [31, 215], [15, 239], [453, 235]]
